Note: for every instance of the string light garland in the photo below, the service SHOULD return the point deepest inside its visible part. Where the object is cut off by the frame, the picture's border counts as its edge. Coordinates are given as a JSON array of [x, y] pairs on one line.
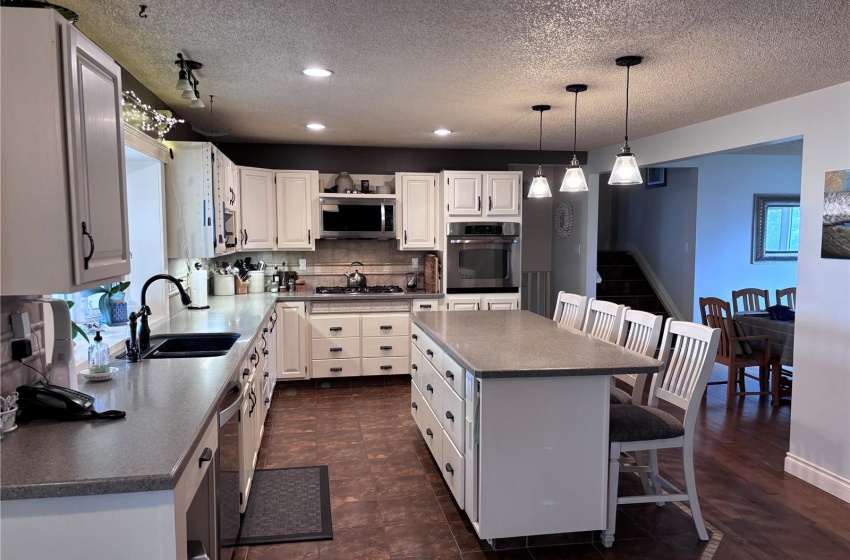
[[144, 117]]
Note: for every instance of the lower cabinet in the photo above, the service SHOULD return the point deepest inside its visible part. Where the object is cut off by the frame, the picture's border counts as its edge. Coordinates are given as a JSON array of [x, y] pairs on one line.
[[292, 337], [482, 302], [425, 305]]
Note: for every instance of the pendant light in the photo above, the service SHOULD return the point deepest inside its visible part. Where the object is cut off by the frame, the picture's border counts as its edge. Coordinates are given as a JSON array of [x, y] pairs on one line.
[[540, 186], [574, 179], [626, 171], [196, 101]]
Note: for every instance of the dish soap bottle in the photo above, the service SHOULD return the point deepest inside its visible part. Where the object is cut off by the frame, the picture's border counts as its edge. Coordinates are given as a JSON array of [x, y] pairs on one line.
[[98, 355]]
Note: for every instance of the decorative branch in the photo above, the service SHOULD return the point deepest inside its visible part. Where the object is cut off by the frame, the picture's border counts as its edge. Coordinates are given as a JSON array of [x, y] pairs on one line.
[[144, 117]]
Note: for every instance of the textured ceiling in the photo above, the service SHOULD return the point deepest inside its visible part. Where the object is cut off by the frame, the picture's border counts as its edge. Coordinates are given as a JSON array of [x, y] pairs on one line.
[[403, 69]]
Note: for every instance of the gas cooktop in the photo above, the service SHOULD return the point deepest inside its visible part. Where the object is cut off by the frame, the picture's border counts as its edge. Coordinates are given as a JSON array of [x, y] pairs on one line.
[[363, 290]]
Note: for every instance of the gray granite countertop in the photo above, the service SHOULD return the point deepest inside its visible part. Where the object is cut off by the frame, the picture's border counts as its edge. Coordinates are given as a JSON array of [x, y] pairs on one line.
[[311, 296], [168, 403], [498, 344]]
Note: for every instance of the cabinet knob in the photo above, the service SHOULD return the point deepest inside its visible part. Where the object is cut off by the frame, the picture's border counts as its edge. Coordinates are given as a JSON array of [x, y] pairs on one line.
[[245, 372], [449, 468], [415, 367], [414, 406], [206, 455], [450, 416], [449, 374], [414, 337], [429, 388], [429, 432], [430, 353]]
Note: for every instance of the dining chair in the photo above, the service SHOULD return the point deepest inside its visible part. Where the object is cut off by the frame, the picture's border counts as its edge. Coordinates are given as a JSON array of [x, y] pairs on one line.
[[636, 428], [569, 309], [735, 351], [752, 299], [790, 295], [603, 319], [639, 332]]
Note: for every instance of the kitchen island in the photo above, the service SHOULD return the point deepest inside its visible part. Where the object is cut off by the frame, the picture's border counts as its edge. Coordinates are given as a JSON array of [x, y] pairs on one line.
[[514, 409]]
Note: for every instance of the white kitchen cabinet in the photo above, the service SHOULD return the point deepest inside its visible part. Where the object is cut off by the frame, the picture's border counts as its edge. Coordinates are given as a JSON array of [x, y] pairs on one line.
[[64, 192], [201, 224], [230, 186], [482, 302], [292, 339], [418, 210], [271, 343], [295, 209], [257, 206], [493, 195], [248, 443], [463, 193]]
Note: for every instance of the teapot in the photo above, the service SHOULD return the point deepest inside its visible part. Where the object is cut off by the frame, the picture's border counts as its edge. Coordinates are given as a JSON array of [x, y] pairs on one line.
[[356, 280]]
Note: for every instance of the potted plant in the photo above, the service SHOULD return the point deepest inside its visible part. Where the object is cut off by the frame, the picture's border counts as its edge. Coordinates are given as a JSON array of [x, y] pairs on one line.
[[112, 302]]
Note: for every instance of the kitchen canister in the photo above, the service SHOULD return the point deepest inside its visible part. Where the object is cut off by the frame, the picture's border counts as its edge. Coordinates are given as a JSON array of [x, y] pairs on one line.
[[224, 285], [256, 281]]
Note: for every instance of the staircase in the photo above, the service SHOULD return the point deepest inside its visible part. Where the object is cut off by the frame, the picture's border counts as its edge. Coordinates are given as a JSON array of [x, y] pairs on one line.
[[623, 282]]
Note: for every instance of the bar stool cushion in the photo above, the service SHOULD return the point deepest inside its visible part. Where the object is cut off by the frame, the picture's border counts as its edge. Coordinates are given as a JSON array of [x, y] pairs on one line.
[[642, 423], [618, 396]]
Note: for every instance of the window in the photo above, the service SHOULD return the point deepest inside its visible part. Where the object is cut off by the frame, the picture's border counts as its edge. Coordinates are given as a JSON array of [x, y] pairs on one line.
[[776, 228]]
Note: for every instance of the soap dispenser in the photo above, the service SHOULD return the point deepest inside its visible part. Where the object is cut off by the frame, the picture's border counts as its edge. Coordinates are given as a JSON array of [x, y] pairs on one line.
[[98, 355]]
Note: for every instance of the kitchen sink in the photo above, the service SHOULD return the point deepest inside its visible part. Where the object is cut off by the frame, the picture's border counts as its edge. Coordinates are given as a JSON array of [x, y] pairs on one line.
[[190, 345]]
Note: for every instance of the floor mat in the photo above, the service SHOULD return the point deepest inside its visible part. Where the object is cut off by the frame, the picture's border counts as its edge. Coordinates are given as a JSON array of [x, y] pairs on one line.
[[286, 505]]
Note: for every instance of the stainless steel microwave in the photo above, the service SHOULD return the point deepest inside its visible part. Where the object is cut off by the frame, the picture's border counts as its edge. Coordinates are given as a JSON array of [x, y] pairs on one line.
[[357, 218], [482, 257]]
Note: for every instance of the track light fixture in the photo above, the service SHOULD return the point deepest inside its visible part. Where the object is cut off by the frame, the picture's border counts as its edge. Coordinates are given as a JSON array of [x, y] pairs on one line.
[[186, 81], [574, 179], [626, 171], [539, 185]]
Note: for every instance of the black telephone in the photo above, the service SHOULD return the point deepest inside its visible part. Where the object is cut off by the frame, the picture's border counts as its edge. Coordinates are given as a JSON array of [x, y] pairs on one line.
[[42, 400]]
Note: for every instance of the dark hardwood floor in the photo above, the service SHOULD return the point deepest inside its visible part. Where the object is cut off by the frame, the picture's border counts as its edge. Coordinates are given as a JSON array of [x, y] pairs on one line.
[[388, 500]]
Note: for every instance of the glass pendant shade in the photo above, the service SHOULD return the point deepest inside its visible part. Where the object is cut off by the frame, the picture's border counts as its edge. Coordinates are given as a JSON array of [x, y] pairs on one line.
[[196, 103], [189, 94], [626, 171], [539, 186], [182, 83], [574, 180]]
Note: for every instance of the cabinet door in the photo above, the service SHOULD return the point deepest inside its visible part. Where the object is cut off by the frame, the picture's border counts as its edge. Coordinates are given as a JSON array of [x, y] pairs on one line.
[[464, 194], [417, 215], [292, 341], [220, 180], [257, 208], [273, 345], [101, 241], [246, 447], [294, 209], [503, 193], [499, 303], [463, 303], [229, 186]]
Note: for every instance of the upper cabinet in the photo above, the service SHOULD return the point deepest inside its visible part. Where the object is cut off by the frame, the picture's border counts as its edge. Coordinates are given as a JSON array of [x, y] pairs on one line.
[[295, 209], [472, 195], [257, 206], [201, 223], [63, 182], [418, 215]]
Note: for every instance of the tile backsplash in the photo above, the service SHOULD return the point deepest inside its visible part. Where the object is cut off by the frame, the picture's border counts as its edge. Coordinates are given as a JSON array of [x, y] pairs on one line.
[[383, 263], [12, 373]]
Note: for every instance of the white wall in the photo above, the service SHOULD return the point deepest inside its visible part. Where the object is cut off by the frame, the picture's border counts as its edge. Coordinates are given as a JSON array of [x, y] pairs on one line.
[[569, 254], [662, 224], [820, 416], [536, 222], [724, 225]]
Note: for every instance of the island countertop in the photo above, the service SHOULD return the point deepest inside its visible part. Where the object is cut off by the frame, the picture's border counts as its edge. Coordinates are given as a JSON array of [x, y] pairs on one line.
[[500, 344]]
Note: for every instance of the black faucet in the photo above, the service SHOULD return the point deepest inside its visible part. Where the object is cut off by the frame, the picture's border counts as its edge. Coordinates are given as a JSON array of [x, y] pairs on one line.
[[145, 311]]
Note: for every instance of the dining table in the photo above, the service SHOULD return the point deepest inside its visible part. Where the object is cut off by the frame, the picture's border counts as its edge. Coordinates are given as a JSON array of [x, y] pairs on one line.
[[781, 333]]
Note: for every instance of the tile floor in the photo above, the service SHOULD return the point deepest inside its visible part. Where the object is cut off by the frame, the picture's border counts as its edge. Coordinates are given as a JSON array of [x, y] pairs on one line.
[[388, 499]]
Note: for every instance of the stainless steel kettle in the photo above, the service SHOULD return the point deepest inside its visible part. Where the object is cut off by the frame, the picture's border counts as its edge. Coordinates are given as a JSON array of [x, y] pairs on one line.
[[356, 280]]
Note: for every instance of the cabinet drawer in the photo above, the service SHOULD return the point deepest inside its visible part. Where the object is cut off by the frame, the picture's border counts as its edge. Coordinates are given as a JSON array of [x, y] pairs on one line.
[[335, 348], [432, 387], [416, 360], [451, 415], [385, 366], [432, 433], [454, 375], [425, 305], [336, 368], [195, 470], [385, 346], [417, 406], [416, 335], [451, 465], [335, 326], [432, 352], [395, 324]]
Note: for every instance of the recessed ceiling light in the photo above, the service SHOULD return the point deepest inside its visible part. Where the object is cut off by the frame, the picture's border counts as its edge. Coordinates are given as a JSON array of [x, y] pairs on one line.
[[316, 72], [316, 126], [442, 132]]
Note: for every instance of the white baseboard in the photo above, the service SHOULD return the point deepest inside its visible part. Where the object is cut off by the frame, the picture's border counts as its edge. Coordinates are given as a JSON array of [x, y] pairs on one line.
[[817, 476], [656, 284]]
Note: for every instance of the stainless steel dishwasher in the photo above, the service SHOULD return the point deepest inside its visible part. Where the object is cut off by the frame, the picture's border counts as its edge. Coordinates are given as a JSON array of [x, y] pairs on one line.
[[227, 471]]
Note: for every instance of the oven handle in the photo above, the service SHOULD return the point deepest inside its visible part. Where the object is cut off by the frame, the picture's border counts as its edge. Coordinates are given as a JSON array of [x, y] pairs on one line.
[[490, 240], [225, 415]]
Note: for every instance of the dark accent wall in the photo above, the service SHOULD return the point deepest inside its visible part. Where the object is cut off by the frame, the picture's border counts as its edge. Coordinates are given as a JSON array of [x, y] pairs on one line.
[[383, 161], [179, 132]]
